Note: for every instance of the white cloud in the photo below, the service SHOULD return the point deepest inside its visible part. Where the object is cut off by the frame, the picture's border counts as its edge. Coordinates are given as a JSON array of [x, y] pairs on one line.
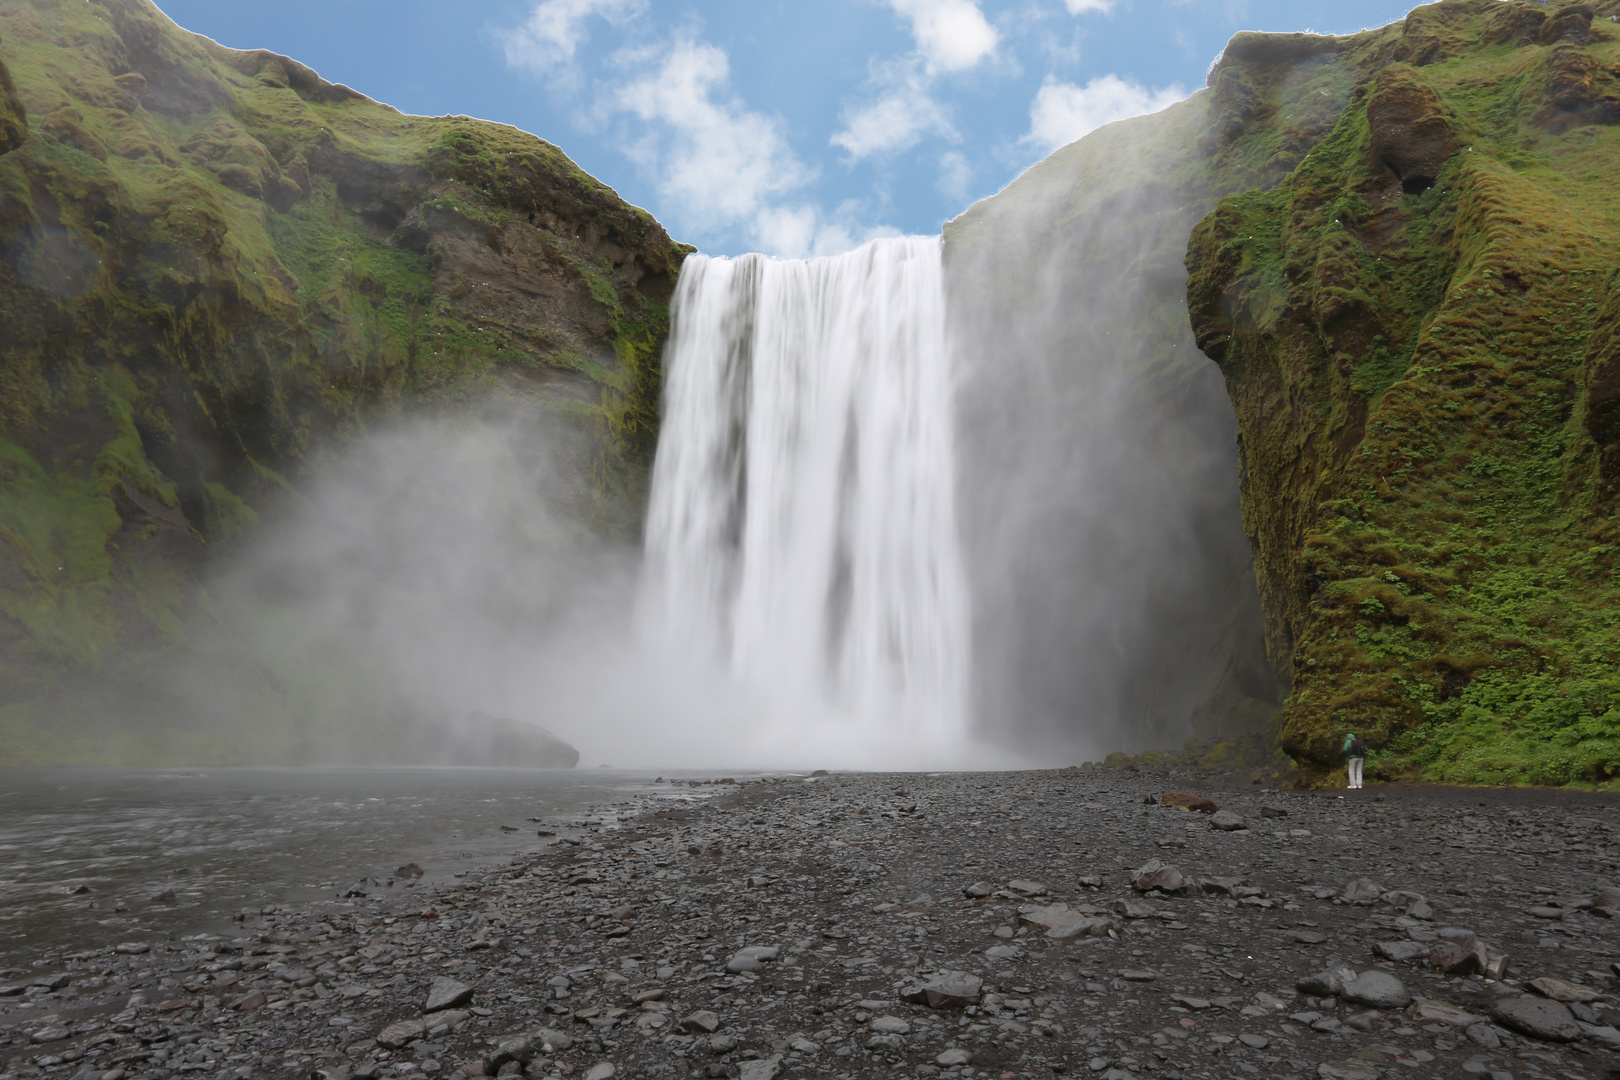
[[1063, 112], [952, 35], [899, 119], [717, 161], [555, 30], [955, 177], [721, 167], [1078, 7]]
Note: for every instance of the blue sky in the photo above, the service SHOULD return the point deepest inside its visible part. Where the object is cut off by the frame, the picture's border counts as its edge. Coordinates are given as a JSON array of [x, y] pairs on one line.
[[788, 127]]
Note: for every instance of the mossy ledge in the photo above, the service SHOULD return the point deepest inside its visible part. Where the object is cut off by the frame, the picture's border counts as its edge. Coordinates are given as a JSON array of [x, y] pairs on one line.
[[1419, 329], [222, 267]]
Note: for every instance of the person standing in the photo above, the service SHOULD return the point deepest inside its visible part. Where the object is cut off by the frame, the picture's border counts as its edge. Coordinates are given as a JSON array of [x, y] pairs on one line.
[[1356, 751]]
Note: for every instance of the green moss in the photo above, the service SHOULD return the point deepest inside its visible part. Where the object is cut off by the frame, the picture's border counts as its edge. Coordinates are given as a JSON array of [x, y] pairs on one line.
[[1406, 372], [223, 268]]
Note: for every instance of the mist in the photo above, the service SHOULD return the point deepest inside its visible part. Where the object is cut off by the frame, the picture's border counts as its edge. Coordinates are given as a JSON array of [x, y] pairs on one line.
[[925, 505], [1114, 597]]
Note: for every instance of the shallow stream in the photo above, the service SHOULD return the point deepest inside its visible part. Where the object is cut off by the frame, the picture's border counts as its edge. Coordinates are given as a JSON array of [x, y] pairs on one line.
[[93, 857]]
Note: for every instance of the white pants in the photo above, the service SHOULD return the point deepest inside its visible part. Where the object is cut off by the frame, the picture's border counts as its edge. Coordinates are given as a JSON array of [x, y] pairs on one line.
[[1355, 771]]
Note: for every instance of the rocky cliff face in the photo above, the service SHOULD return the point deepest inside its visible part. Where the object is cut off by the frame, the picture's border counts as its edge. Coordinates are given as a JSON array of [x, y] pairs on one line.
[[13, 117], [221, 267], [1417, 327]]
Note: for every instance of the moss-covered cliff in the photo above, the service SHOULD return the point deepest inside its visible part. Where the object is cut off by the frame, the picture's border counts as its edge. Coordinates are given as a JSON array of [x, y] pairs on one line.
[[220, 267], [1419, 328]]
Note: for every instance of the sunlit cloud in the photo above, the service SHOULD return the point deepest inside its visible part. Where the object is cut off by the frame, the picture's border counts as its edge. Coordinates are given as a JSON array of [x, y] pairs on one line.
[[952, 35], [721, 167], [548, 41], [1063, 112]]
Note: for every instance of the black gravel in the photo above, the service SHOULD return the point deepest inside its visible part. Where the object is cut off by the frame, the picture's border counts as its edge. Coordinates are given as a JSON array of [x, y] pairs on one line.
[[619, 950]]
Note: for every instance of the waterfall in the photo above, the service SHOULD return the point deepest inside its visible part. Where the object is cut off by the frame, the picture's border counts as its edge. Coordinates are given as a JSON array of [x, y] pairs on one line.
[[802, 528]]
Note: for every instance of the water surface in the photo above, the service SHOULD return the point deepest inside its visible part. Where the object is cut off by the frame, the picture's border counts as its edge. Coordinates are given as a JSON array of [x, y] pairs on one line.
[[93, 857]]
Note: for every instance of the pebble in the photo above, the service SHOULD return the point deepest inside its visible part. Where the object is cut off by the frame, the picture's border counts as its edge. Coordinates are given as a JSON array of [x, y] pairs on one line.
[[866, 934]]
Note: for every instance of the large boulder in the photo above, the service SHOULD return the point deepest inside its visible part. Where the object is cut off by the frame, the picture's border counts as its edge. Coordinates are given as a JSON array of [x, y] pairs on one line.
[[1538, 1018]]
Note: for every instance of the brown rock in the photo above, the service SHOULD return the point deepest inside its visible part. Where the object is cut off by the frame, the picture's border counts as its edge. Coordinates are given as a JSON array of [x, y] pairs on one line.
[[1411, 137], [398, 1034], [1559, 990], [1458, 957], [944, 990], [1186, 800], [1571, 26], [1439, 1012]]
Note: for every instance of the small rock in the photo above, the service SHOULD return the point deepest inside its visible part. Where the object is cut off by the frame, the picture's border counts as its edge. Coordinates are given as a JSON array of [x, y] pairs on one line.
[[1377, 990], [702, 1020], [447, 993], [1227, 821], [1363, 1022], [552, 1041], [1307, 937], [1272, 810], [978, 890], [1484, 1035], [1157, 875], [1329, 983], [1537, 1017], [1254, 1042], [1439, 1012], [1458, 958], [1559, 990], [1089, 926], [602, 1070], [1004, 952], [722, 1044], [397, 1034], [1138, 975], [1362, 891], [1400, 951], [1606, 1034], [761, 1069], [890, 1025], [1186, 800], [1134, 909], [948, 1058], [1547, 912], [944, 990], [1028, 888]]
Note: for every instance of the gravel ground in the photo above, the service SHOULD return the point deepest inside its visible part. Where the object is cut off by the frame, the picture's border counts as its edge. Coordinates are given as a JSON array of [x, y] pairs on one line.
[[864, 925]]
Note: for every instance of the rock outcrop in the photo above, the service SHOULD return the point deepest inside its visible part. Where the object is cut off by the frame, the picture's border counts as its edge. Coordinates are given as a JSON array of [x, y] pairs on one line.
[[13, 117], [1417, 329], [221, 267]]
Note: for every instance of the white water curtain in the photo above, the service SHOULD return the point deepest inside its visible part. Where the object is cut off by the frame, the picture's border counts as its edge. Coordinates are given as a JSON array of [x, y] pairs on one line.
[[802, 526]]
